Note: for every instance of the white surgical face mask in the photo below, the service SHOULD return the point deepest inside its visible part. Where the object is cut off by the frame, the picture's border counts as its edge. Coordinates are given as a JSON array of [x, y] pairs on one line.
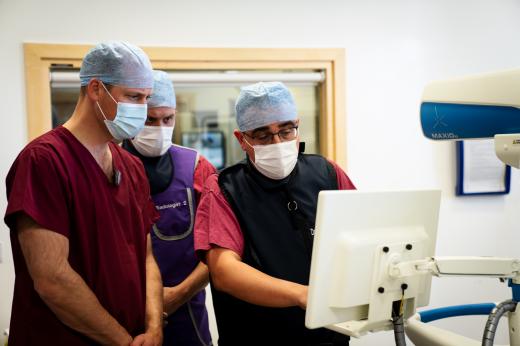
[[153, 140], [276, 161]]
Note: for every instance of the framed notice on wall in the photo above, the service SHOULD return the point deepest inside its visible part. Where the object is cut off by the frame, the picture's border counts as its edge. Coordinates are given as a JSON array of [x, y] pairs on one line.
[[479, 171]]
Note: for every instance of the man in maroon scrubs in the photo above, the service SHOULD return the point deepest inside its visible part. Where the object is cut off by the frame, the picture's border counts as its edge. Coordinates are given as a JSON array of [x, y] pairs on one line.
[[79, 211]]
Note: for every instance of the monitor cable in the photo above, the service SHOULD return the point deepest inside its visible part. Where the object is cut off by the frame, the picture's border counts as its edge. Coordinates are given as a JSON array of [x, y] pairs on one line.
[[398, 319], [488, 339]]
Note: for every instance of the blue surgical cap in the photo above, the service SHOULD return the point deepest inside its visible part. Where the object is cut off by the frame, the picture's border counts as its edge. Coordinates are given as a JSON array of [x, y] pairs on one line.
[[262, 104], [163, 94], [117, 63]]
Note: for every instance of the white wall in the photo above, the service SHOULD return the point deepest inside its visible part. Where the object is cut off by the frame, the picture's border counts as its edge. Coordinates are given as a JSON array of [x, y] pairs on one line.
[[393, 49]]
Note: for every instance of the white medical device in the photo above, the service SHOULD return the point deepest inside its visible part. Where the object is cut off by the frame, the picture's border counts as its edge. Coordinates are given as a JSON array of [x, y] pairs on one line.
[[373, 254], [359, 236], [476, 107], [374, 251]]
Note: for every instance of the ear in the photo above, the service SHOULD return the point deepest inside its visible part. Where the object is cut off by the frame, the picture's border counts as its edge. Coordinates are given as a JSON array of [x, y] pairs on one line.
[[240, 138], [94, 89]]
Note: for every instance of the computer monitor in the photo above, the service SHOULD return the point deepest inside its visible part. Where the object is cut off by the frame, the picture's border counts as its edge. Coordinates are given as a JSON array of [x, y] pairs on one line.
[[357, 235], [211, 144]]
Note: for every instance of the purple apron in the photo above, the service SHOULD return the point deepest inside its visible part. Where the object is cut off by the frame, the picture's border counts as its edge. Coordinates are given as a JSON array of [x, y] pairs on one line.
[[172, 242]]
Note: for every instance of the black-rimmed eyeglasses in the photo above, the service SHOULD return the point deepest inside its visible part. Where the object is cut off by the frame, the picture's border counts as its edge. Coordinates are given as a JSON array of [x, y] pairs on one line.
[[285, 135]]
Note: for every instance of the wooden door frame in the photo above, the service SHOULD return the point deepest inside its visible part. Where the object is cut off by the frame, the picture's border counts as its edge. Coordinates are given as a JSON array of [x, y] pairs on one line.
[[40, 58]]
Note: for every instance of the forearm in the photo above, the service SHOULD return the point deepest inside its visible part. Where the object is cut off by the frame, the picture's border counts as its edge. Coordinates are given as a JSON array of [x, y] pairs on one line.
[[69, 297], [154, 297], [251, 285], [61, 288], [183, 292]]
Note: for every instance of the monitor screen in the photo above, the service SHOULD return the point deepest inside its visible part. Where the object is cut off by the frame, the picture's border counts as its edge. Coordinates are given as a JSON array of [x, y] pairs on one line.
[[210, 144], [357, 235]]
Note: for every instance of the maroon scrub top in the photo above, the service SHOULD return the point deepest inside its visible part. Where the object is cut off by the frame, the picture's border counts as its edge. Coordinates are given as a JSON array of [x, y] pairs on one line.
[[57, 182]]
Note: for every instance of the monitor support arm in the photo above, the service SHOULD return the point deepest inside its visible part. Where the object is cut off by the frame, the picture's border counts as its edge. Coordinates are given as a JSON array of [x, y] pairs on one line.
[[505, 268], [494, 267]]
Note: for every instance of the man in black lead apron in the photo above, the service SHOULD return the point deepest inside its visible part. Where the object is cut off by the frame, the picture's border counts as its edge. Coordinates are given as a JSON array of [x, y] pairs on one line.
[[255, 226]]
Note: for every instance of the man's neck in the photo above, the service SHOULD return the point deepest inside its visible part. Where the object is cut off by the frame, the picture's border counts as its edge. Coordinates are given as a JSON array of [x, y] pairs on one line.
[[86, 127]]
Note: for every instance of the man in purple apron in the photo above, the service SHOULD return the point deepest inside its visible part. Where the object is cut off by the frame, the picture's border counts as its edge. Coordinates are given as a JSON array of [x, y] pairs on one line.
[[176, 175]]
